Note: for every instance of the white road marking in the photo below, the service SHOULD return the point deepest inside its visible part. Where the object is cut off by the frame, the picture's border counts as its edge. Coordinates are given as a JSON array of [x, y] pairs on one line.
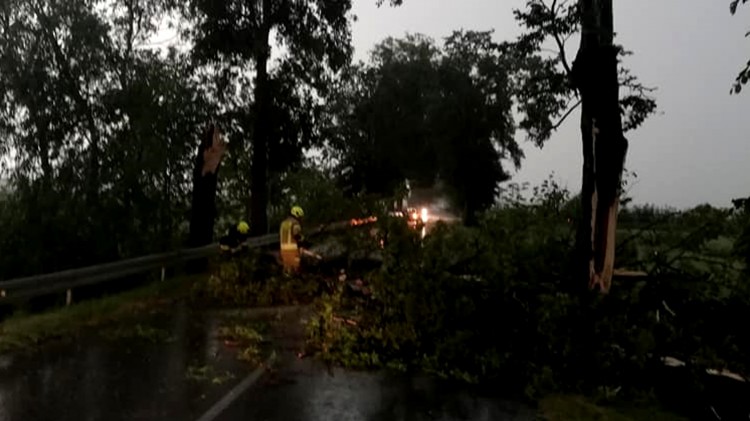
[[236, 392]]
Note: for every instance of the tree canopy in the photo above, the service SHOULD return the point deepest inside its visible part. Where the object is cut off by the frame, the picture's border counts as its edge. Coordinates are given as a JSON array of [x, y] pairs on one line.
[[98, 131], [425, 112], [547, 93], [315, 36], [99, 127]]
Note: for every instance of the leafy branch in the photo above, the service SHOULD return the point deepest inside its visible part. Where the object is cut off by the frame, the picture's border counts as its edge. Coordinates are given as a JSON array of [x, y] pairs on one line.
[[744, 74], [545, 92]]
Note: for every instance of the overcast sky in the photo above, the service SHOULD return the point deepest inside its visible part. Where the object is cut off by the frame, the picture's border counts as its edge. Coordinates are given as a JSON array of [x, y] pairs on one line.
[[694, 152]]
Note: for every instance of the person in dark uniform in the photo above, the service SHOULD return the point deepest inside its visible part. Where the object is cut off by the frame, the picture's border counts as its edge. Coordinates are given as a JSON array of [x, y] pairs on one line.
[[235, 238]]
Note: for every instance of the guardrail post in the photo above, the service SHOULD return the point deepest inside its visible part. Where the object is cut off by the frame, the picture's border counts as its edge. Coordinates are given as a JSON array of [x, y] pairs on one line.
[[68, 297], [163, 273]]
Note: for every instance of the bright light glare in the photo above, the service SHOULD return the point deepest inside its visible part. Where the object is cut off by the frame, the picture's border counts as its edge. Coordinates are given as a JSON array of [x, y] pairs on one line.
[[425, 215]]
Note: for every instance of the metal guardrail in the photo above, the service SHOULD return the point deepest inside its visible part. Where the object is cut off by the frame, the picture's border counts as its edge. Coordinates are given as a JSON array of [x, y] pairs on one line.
[[65, 280], [36, 285]]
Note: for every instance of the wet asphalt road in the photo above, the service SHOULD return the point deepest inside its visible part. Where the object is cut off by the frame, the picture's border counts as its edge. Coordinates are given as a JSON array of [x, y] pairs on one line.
[[97, 379], [306, 391], [94, 378]]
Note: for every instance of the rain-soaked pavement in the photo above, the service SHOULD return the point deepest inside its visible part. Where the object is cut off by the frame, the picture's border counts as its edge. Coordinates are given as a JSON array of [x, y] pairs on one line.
[[120, 378], [306, 391], [114, 375], [101, 377]]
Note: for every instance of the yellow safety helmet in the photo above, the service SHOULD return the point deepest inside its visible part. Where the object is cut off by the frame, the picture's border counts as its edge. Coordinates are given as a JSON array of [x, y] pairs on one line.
[[297, 212], [243, 227]]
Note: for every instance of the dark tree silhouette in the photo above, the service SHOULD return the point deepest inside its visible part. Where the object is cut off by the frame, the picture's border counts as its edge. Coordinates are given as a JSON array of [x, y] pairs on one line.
[[604, 145], [593, 82], [427, 113], [316, 34], [205, 179]]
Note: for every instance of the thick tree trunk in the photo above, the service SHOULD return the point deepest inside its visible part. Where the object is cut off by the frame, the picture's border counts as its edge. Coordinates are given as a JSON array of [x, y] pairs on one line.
[[205, 178], [604, 146], [259, 165]]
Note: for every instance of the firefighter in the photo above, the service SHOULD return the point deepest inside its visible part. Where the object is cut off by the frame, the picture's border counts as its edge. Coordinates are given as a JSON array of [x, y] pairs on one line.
[[290, 238], [235, 238]]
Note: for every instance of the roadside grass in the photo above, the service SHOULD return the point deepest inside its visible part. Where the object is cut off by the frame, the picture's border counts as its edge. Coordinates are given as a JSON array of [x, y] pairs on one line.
[[577, 408], [23, 331]]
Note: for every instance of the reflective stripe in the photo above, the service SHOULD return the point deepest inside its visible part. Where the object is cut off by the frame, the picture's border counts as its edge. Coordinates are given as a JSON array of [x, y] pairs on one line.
[[285, 232]]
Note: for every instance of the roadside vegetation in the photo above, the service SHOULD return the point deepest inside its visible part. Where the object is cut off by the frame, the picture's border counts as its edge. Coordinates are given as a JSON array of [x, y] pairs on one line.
[[24, 332], [492, 304], [250, 280], [498, 304], [113, 145], [570, 408]]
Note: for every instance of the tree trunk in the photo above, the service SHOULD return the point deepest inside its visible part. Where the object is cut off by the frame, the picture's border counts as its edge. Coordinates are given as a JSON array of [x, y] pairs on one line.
[[259, 165], [604, 146], [205, 178]]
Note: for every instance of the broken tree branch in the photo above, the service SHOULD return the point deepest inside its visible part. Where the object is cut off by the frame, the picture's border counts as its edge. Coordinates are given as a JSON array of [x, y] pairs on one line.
[[567, 114]]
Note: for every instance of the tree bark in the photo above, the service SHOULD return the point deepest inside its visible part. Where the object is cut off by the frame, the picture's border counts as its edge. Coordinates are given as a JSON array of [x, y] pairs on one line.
[[604, 145], [205, 179], [259, 164]]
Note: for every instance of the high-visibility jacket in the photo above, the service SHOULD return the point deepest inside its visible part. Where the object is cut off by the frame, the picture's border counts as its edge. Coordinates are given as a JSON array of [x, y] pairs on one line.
[[290, 234]]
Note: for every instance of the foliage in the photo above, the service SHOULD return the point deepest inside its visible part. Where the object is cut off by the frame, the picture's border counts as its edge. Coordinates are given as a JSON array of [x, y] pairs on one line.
[[744, 74], [23, 331], [208, 373], [99, 127], [563, 408], [437, 303], [424, 112], [497, 304], [240, 333], [742, 218], [247, 338], [315, 37], [645, 215], [546, 95], [392, 2], [453, 106], [247, 280], [95, 148], [316, 192], [314, 33]]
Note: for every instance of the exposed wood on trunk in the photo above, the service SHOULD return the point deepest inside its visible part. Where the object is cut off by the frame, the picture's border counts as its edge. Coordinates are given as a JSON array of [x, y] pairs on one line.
[[604, 146], [213, 153], [205, 178]]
